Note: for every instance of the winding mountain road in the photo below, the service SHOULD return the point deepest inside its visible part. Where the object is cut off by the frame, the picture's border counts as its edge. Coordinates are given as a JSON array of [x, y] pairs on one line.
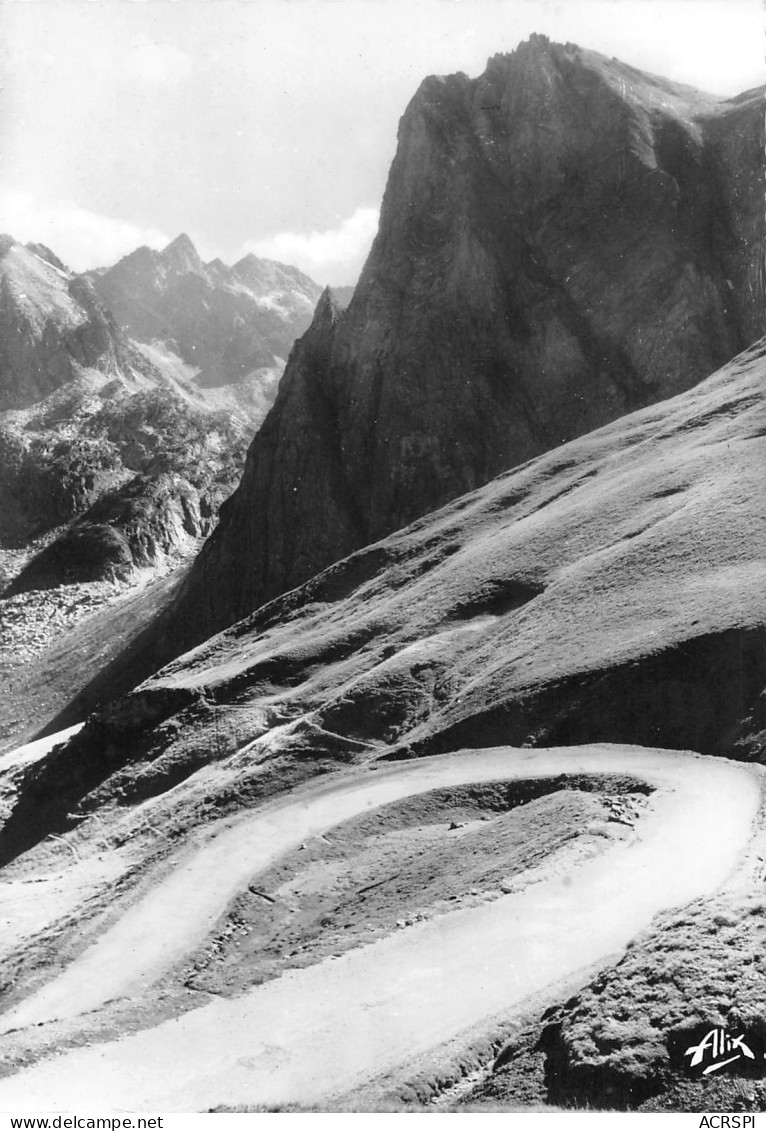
[[318, 1032]]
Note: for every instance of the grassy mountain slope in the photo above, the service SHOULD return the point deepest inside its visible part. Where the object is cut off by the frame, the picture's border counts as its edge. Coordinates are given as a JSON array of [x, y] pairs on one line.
[[610, 591]]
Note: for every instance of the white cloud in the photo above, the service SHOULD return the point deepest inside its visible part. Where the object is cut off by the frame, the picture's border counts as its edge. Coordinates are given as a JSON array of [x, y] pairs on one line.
[[156, 64], [82, 239], [334, 256]]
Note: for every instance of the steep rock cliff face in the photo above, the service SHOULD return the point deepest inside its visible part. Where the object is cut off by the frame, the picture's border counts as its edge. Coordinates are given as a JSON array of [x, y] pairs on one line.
[[225, 321], [562, 240]]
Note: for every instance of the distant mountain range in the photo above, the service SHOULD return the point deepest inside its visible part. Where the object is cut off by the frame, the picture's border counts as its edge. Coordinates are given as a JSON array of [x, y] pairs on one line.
[[128, 397], [224, 321]]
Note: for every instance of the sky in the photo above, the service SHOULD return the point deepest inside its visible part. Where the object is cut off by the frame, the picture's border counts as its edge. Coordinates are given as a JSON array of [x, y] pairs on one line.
[[269, 125]]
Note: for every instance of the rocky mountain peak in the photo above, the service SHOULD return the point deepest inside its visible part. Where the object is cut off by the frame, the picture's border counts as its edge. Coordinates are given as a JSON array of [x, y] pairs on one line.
[[535, 51], [182, 256], [255, 270], [217, 267], [248, 262], [562, 240], [327, 312], [270, 277]]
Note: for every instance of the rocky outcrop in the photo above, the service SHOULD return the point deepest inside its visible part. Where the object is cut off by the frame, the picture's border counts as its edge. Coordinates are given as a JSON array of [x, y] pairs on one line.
[[563, 240], [141, 481], [224, 321]]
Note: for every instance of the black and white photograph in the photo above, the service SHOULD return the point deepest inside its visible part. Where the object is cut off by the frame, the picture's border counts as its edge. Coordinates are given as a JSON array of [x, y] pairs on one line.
[[382, 559]]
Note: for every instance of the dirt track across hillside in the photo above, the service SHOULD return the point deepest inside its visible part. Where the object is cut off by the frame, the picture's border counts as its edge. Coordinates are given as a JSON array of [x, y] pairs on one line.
[[319, 1032]]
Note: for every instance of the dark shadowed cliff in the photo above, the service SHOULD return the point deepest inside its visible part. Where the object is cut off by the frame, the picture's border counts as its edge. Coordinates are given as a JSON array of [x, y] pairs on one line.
[[563, 240]]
